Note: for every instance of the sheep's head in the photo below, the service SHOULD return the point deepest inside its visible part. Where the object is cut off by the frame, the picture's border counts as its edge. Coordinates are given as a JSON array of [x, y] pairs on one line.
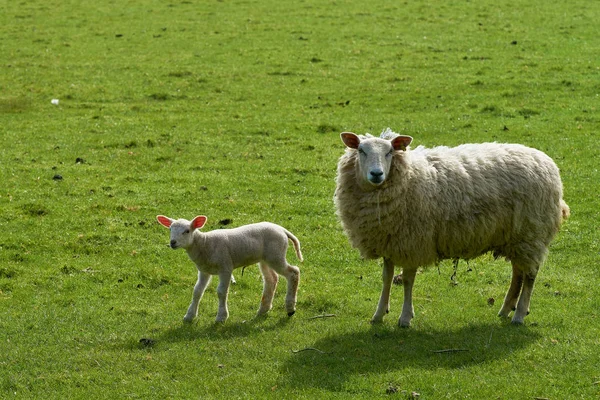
[[375, 154], [182, 230]]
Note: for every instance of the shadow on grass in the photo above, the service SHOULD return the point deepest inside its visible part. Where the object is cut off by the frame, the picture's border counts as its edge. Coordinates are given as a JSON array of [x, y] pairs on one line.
[[331, 361], [219, 331]]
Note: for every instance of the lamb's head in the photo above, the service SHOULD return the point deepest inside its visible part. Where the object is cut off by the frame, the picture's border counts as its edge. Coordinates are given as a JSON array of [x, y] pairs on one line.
[[375, 154], [182, 230]]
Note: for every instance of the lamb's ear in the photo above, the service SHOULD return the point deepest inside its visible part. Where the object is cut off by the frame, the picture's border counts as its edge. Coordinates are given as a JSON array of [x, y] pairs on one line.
[[401, 142], [198, 222], [164, 221], [350, 139]]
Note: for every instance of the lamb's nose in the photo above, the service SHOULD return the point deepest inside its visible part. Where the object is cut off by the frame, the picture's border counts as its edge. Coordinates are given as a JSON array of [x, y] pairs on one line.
[[173, 244], [377, 173]]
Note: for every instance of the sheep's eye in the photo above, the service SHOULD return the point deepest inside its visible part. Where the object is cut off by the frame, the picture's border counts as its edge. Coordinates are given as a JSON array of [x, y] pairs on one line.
[[361, 151], [186, 231], [390, 153]]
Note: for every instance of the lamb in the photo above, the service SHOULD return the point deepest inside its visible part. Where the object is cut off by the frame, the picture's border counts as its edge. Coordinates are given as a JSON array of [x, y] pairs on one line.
[[416, 207], [219, 252]]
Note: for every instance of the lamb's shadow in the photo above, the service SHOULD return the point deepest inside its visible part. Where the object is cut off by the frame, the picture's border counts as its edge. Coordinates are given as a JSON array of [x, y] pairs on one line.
[[331, 361], [218, 331]]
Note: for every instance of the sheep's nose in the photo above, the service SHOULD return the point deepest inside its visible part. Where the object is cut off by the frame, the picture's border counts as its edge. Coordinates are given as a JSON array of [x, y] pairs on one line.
[[173, 244], [376, 176]]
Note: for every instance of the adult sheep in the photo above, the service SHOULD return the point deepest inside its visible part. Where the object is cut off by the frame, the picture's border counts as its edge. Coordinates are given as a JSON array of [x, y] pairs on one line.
[[415, 207]]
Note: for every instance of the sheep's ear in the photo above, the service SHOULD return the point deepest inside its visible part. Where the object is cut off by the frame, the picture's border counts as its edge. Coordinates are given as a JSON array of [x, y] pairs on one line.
[[164, 221], [350, 139], [198, 222], [401, 142]]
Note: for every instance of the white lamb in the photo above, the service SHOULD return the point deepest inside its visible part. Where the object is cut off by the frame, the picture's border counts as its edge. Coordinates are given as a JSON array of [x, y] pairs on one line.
[[417, 207], [219, 252]]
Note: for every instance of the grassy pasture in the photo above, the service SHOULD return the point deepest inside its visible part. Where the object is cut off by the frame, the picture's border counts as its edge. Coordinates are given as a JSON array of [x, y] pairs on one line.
[[233, 109]]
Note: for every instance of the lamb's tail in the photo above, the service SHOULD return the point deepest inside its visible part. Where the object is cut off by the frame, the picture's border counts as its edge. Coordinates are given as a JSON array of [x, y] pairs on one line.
[[565, 210], [296, 244]]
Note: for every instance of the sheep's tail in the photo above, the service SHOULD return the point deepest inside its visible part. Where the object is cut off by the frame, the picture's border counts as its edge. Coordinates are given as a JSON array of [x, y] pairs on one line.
[[565, 210], [296, 244]]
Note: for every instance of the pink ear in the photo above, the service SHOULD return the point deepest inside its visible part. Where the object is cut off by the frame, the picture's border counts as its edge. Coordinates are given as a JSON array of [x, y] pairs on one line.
[[401, 142], [198, 222], [350, 139], [164, 221]]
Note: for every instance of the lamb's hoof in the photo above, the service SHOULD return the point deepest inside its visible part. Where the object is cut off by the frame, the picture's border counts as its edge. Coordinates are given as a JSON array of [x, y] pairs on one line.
[[516, 322], [188, 320], [290, 313], [404, 324], [263, 309], [376, 321]]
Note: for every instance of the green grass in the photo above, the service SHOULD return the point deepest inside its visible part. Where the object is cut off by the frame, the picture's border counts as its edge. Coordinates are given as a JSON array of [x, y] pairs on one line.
[[232, 109]]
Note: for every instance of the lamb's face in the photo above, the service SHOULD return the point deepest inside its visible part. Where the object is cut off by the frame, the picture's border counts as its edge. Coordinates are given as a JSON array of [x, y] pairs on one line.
[[181, 234], [182, 230]]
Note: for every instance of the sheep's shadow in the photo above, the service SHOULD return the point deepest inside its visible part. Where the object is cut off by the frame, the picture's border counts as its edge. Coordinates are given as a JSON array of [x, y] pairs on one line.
[[331, 361]]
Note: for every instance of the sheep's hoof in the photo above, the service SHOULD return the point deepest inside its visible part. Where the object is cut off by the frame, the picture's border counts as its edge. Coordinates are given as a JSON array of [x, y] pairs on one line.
[[404, 324], [291, 313], [188, 320], [221, 319], [516, 322], [376, 321]]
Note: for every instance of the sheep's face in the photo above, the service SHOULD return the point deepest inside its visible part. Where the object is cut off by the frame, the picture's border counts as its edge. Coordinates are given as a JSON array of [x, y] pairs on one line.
[[375, 155], [182, 230]]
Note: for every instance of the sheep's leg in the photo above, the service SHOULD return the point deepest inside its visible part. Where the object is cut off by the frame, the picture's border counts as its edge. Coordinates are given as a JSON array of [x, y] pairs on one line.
[[222, 292], [292, 274], [384, 300], [525, 297], [201, 284], [512, 296], [408, 312], [270, 279]]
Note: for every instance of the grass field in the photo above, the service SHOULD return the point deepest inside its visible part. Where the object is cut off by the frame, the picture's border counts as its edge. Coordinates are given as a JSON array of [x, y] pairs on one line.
[[233, 109]]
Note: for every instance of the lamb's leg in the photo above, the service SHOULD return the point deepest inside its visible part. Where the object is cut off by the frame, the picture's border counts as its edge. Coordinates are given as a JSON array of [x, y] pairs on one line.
[[408, 312], [280, 265], [222, 292], [201, 284], [384, 300], [523, 304], [292, 274], [510, 300], [270, 279]]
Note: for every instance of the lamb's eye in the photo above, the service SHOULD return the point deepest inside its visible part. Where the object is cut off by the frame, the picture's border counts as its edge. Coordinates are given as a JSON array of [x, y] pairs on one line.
[[361, 151], [390, 153], [186, 231]]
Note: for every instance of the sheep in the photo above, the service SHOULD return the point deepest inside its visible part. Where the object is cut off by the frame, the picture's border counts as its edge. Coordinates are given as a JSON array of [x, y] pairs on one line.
[[417, 207], [219, 252]]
